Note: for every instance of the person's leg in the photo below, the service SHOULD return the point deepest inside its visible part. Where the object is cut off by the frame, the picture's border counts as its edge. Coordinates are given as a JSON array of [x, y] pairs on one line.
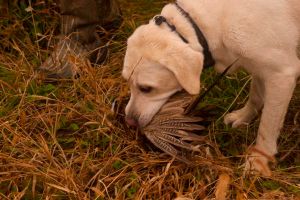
[[110, 15], [79, 40], [3, 8], [79, 19]]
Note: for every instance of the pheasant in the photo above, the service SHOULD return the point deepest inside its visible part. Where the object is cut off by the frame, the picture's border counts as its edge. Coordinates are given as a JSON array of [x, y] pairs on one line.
[[174, 127]]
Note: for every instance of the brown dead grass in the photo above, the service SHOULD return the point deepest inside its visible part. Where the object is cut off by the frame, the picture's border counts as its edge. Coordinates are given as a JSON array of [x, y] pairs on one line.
[[69, 141]]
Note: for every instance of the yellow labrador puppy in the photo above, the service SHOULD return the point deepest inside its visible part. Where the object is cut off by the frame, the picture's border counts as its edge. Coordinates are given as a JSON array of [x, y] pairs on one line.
[[168, 54]]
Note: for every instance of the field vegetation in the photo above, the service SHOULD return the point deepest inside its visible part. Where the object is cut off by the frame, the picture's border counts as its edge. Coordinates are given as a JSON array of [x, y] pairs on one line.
[[68, 139]]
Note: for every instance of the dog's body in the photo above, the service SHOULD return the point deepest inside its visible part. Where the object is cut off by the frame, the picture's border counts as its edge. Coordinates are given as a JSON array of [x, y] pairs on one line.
[[263, 35]]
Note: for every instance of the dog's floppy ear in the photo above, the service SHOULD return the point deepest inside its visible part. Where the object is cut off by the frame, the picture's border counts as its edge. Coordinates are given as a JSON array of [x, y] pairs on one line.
[[165, 47]]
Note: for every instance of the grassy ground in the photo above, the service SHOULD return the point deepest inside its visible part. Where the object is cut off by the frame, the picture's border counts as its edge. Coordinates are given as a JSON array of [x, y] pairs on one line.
[[69, 141]]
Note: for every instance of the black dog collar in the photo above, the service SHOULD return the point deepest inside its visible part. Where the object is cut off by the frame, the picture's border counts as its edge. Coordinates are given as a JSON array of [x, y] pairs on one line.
[[159, 19], [208, 59]]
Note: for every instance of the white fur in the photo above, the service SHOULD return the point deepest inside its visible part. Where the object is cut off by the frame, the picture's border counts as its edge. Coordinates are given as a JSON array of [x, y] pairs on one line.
[[263, 34]]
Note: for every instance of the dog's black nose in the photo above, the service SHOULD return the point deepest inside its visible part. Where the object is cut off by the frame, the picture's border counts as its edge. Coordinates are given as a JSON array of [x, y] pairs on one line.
[[131, 121]]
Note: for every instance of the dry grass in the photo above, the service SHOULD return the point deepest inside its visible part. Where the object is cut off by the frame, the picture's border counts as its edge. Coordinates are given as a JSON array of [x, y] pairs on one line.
[[69, 141]]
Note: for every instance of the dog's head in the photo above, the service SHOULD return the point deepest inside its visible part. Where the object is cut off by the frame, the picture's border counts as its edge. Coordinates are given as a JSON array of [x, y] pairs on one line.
[[158, 64]]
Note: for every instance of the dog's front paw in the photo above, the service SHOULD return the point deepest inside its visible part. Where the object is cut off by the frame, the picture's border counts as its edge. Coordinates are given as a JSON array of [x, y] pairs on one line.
[[239, 117], [258, 162]]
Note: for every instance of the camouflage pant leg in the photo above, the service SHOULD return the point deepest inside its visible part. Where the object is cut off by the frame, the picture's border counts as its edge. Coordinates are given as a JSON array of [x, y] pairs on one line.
[[79, 19], [3, 7], [109, 13]]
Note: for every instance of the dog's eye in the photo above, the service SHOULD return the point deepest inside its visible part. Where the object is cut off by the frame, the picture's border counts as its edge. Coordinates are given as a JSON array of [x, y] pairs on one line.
[[145, 89]]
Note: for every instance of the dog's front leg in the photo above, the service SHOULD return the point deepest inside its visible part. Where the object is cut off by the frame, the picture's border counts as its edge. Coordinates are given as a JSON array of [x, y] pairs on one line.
[[253, 106], [278, 93]]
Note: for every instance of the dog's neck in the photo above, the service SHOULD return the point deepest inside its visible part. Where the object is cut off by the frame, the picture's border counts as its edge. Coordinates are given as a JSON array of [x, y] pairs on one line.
[[187, 29], [183, 26]]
